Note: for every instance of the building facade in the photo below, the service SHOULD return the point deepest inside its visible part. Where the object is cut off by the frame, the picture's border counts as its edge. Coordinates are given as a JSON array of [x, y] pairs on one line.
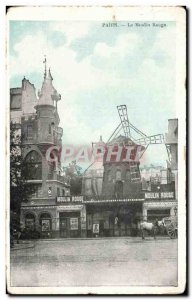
[[38, 122], [162, 199]]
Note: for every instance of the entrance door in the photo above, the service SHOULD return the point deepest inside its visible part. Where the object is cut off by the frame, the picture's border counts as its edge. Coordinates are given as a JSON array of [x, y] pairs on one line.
[[119, 189], [64, 228], [69, 224]]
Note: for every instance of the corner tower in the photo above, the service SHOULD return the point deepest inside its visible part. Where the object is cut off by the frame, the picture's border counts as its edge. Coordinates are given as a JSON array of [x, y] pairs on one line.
[[48, 132]]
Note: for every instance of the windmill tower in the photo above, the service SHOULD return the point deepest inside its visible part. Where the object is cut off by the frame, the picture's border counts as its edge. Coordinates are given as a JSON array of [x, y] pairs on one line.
[[122, 177]]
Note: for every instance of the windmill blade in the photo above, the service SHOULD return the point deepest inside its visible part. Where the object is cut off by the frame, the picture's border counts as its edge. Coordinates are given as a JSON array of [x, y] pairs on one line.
[[153, 139], [122, 110]]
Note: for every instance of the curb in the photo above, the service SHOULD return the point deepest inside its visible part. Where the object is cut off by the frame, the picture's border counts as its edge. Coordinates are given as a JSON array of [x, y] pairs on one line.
[[21, 248], [99, 238]]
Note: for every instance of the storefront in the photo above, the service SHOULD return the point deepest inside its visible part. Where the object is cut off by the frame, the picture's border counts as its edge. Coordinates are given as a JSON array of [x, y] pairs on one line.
[[113, 217], [158, 205], [67, 219]]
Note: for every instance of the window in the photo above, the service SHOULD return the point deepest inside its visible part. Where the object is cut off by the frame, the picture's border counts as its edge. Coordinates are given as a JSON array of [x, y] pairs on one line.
[[49, 128], [37, 191], [33, 166], [118, 175], [63, 192], [135, 173], [58, 192], [30, 222], [29, 131]]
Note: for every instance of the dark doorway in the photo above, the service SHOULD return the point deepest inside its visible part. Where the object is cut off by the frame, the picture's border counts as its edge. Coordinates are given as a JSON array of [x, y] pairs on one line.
[[119, 189]]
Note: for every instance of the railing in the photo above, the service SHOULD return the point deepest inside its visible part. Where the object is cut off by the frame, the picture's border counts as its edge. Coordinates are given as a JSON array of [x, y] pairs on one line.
[[53, 176], [115, 197]]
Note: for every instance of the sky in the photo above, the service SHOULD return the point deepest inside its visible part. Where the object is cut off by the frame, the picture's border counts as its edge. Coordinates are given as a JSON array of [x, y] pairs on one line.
[[96, 68]]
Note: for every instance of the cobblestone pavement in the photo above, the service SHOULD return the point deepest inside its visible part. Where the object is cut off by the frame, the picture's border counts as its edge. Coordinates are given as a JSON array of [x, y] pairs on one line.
[[96, 262]]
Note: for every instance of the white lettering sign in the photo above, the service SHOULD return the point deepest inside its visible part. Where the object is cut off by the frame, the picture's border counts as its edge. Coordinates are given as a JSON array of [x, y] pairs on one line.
[[77, 198], [63, 199], [162, 195], [167, 195], [151, 195]]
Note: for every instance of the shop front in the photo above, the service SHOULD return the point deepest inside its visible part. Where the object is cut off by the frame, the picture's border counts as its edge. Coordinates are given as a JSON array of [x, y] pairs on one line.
[[71, 220], [158, 205], [113, 218], [65, 220], [69, 224]]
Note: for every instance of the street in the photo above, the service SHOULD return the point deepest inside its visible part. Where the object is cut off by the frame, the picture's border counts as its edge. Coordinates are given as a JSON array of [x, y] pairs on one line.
[[96, 262]]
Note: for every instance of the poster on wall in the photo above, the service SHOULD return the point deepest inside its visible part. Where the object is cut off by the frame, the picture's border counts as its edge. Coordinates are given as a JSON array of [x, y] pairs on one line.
[[45, 225], [74, 223], [95, 228]]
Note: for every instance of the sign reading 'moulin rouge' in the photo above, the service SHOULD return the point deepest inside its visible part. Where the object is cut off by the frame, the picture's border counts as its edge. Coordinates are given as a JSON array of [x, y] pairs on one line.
[[159, 195]]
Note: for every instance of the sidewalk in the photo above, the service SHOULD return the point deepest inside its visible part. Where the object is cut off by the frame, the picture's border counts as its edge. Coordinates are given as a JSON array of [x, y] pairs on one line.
[[22, 245], [26, 244], [135, 238]]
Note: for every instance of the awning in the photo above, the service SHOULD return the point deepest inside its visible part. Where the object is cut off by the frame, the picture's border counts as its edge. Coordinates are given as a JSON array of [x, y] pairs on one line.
[[112, 201]]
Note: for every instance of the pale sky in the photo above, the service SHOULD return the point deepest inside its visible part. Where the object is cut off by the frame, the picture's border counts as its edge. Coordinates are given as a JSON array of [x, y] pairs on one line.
[[95, 69]]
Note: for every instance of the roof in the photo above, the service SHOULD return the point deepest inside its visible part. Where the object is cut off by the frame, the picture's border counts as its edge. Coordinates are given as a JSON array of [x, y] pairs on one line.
[[121, 140], [48, 93]]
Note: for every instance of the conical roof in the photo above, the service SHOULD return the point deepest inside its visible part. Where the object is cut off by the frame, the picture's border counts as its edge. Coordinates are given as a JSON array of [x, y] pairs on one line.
[[48, 93]]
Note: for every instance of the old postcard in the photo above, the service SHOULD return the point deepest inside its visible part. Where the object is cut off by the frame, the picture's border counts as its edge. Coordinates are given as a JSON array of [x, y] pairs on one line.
[[97, 137]]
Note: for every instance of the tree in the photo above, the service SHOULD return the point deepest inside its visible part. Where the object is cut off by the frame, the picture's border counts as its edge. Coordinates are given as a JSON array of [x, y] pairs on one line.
[[20, 191], [74, 173]]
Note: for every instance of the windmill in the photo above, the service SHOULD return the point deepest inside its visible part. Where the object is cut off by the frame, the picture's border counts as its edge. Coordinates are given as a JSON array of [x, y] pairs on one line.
[[132, 136], [135, 136]]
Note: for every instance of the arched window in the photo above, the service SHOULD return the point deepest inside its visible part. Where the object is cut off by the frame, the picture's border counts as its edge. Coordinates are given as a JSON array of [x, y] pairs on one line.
[[45, 222], [33, 165], [118, 175], [30, 221]]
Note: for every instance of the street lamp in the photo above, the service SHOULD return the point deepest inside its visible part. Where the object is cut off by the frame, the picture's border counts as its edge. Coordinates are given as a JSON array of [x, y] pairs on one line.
[[175, 210]]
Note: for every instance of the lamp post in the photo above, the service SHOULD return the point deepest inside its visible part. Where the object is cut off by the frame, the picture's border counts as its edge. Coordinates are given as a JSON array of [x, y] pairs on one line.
[[175, 210]]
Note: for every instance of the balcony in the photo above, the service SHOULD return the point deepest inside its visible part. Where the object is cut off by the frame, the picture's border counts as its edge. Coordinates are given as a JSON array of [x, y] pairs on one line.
[[55, 176]]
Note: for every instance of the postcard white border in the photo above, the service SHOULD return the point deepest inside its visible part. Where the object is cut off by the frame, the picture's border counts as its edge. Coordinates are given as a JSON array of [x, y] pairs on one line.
[[173, 13]]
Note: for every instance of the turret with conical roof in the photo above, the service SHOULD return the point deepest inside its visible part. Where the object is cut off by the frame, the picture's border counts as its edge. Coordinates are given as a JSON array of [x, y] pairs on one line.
[[47, 116], [48, 93]]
